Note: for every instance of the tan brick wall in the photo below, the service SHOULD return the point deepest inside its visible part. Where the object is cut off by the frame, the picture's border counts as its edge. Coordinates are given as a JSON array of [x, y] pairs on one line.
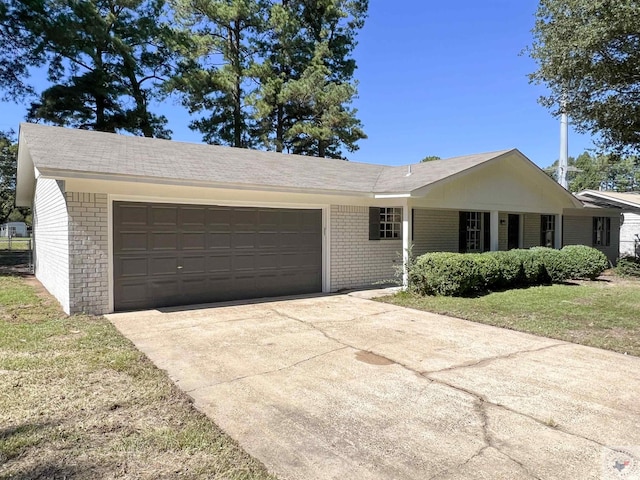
[[357, 261], [88, 253]]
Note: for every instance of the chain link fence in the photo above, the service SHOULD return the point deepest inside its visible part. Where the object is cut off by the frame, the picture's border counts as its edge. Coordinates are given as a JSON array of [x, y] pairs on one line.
[[16, 253]]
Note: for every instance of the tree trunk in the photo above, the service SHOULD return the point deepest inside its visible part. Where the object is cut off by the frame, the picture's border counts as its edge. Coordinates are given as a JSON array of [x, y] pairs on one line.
[[234, 35]]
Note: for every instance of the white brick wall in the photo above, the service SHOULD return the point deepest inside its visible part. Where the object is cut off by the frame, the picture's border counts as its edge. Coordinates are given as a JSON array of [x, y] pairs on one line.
[[88, 255], [357, 261], [629, 234], [51, 239]]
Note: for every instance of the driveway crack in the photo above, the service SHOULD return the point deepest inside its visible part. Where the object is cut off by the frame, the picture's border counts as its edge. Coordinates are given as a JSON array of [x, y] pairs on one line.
[[481, 402], [267, 372], [485, 361]]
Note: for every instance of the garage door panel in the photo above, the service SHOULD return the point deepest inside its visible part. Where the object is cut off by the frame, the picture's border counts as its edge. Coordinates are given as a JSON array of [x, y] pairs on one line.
[[244, 240], [163, 241], [193, 217], [132, 267], [193, 240], [193, 264], [132, 215], [132, 241], [164, 215], [226, 253], [220, 240], [219, 264], [163, 266]]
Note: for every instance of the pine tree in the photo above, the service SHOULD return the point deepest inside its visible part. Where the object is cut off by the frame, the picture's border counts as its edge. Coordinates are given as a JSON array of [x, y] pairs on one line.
[[105, 60]]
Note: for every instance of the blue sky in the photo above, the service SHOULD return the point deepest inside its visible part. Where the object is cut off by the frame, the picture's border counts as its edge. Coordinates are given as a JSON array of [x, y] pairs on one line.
[[436, 78]]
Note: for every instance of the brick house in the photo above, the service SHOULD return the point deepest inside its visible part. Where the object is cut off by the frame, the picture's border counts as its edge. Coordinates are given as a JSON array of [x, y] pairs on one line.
[[126, 222]]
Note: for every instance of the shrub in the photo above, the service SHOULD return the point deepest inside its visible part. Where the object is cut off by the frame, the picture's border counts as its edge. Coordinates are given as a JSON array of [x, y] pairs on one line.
[[533, 272], [553, 262], [584, 262], [628, 267], [510, 265], [488, 271], [442, 273]]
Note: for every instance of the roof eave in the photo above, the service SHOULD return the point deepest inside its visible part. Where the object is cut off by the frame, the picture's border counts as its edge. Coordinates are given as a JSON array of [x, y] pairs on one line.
[[62, 174], [25, 175]]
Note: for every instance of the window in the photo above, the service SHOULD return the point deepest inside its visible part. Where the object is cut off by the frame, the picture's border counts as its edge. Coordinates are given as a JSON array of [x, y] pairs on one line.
[[385, 223], [474, 232], [601, 231], [548, 231]]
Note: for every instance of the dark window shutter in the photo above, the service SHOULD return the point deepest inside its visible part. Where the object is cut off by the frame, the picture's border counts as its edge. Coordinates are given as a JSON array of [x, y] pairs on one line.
[[374, 223], [413, 222], [595, 232], [543, 240], [608, 224], [486, 225], [462, 233]]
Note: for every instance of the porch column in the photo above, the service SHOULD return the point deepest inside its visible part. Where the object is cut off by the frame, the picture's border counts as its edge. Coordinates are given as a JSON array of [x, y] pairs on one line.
[[494, 246], [558, 234], [406, 241]]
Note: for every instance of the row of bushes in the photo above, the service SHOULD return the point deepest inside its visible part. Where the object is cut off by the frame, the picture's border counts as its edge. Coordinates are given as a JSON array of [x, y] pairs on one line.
[[457, 274], [629, 267]]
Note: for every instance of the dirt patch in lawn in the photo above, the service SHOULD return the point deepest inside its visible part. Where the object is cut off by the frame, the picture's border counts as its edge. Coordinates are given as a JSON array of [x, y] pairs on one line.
[[79, 401]]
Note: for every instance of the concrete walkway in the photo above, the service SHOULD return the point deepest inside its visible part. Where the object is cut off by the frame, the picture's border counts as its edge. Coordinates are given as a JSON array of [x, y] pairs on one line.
[[340, 387]]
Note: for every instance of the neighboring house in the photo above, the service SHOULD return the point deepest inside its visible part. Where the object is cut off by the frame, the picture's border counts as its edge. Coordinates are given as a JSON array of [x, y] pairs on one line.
[[125, 222], [13, 229], [629, 202]]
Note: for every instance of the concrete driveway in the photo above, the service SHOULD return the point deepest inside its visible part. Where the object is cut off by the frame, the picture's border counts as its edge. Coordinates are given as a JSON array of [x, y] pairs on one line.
[[340, 387]]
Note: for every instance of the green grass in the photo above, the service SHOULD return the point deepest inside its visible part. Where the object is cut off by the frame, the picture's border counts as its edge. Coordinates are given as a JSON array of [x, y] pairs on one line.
[[79, 401], [603, 314], [15, 243]]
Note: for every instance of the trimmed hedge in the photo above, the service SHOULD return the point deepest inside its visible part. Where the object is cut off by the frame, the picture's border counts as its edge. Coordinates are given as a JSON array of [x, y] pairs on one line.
[[458, 274], [442, 273], [628, 267], [584, 262]]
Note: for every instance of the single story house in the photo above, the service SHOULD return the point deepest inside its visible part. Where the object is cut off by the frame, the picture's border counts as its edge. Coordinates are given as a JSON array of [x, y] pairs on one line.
[[13, 229], [125, 222], [629, 202]]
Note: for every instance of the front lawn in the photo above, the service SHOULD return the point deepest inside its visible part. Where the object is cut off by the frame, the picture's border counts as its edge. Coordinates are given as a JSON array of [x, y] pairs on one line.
[[79, 401], [603, 314]]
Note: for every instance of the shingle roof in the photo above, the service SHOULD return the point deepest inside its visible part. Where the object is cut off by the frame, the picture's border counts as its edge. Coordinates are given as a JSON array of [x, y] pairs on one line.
[[68, 152], [624, 200]]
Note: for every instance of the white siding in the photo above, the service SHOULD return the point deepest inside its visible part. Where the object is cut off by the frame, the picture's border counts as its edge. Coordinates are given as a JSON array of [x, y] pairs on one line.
[[577, 230], [630, 235], [51, 239], [503, 231], [435, 231], [357, 261], [88, 252], [531, 230]]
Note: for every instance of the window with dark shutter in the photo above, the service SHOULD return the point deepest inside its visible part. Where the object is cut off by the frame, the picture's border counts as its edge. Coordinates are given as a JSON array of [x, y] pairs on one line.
[[374, 223], [601, 231], [385, 223]]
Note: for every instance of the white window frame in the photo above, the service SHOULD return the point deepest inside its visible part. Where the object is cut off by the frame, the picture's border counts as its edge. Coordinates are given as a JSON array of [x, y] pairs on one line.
[[602, 233], [549, 231], [475, 232], [390, 223]]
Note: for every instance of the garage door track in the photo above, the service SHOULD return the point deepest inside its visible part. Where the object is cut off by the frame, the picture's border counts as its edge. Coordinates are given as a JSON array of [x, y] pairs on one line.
[[340, 387]]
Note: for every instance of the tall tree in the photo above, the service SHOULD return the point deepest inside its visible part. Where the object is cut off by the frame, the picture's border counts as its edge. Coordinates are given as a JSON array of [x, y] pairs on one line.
[[8, 164], [602, 172], [217, 79], [105, 59], [306, 79], [588, 54], [16, 56]]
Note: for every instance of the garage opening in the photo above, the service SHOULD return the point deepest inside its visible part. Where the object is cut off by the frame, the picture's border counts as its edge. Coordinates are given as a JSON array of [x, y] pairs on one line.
[[174, 254]]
